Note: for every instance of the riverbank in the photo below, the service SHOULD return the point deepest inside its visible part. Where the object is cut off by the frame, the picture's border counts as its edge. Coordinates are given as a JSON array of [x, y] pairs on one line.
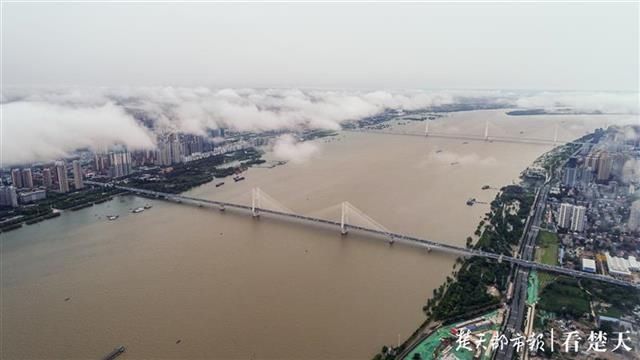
[[49, 208], [481, 283], [175, 179]]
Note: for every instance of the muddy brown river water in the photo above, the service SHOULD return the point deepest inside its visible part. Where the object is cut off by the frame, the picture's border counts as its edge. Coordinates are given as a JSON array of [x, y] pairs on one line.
[[184, 282]]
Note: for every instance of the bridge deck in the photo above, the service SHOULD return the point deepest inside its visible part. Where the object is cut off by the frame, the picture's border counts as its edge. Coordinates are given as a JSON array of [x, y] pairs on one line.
[[412, 240]]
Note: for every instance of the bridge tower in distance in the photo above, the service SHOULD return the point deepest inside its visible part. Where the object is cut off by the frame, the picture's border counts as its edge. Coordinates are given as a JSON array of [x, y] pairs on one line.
[[255, 202], [486, 131], [343, 219]]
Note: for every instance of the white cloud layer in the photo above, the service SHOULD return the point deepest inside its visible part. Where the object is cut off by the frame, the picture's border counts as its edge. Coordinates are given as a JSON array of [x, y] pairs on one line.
[[288, 148], [42, 131], [46, 123]]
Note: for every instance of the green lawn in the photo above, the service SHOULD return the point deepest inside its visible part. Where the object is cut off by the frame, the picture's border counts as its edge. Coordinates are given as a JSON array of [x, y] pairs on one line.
[[547, 253], [548, 247]]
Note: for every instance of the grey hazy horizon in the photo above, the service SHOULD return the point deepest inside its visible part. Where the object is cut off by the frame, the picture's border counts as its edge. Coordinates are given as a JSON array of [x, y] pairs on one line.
[[544, 46]]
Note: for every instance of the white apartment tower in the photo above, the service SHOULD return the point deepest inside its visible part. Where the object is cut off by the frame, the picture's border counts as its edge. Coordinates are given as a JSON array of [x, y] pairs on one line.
[[78, 182], [564, 217], [577, 218], [61, 171]]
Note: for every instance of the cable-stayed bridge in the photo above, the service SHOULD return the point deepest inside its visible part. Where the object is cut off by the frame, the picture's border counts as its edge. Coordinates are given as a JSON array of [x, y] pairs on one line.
[[354, 219], [490, 133]]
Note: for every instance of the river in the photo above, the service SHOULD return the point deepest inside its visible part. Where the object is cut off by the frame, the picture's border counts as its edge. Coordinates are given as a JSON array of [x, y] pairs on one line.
[[185, 282]]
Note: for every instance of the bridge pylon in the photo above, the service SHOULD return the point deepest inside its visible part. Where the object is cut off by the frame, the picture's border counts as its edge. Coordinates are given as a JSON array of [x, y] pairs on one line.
[[255, 202], [486, 131], [344, 218]]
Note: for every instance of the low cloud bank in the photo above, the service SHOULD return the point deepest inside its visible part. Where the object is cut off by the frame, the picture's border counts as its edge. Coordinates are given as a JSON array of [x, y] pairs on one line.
[[607, 103], [42, 131], [288, 148], [42, 124]]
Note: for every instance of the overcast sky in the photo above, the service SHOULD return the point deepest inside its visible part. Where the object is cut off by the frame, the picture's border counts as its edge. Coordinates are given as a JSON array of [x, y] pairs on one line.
[[426, 46]]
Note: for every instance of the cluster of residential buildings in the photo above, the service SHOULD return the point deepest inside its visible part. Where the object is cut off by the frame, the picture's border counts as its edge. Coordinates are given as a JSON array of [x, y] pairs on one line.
[[29, 185], [172, 148], [572, 217], [596, 206]]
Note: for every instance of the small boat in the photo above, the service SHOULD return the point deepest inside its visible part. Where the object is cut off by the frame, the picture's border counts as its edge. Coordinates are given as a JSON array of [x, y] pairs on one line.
[[471, 201], [113, 217], [485, 187], [220, 184], [137, 210], [147, 207], [438, 151], [238, 178], [115, 353]]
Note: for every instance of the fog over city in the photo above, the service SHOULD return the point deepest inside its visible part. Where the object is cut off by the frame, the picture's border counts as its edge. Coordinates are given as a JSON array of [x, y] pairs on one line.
[[44, 124]]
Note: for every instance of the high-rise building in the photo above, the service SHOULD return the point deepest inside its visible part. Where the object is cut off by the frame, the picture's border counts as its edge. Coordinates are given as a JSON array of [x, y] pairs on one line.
[[77, 175], [577, 218], [120, 164], [8, 196], [47, 180], [16, 178], [98, 164], [176, 151], [570, 172], [604, 167], [102, 162], [61, 171], [27, 178], [163, 154], [572, 217], [586, 176], [634, 217], [591, 160], [564, 218]]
